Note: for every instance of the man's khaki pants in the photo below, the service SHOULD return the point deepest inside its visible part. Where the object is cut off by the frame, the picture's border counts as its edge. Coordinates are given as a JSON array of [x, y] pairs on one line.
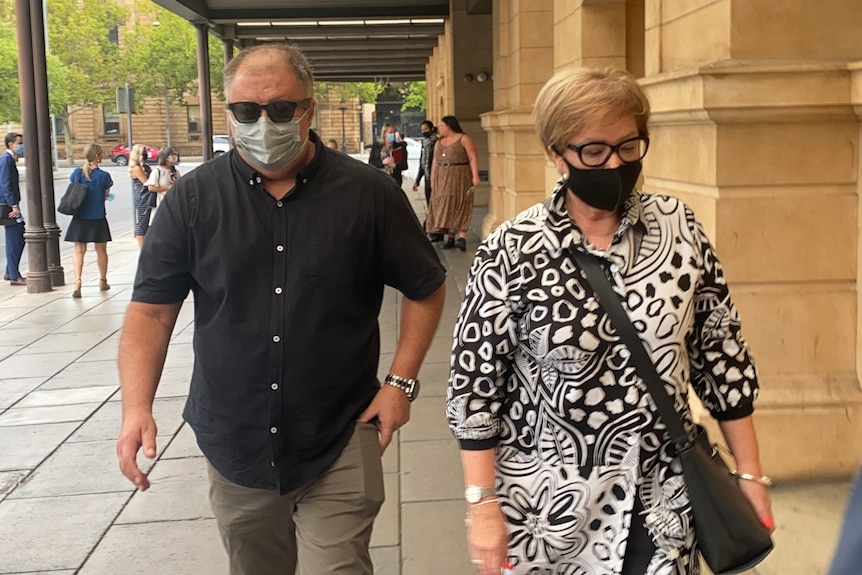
[[322, 528]]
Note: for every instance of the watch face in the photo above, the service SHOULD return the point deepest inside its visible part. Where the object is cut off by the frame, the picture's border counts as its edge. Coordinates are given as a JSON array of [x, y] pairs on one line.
[[413, 392], [473, 494]]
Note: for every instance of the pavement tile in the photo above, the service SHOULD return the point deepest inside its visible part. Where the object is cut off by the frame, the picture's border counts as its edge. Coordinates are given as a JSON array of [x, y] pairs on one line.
[[179, 490], [58, 342], [104, 424], [48, 414], [55, 533], [805, 514], [8, 350], [9, 480], [46, 364], [440, 350], [440, 522], [77, 469], [175, 382], [427, 420], [11, 335], [387, 526], [434, 377], [12, 390], [386, 560], [105, 351], [114, 306], [180, 355], [171, 547], [25, 447], [182, 445], [96, 322], [391, 456], [40, 398], [431, 470], [85, 374]]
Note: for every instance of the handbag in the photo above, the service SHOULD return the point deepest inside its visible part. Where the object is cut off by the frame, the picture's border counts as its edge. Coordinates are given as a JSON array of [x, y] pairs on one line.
[[730, 537], [148, 198], [5, 220], [70, 203]]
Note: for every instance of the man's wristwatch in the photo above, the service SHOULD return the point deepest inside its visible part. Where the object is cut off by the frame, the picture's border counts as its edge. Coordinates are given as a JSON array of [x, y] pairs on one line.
[[476, 493], [408, 386]]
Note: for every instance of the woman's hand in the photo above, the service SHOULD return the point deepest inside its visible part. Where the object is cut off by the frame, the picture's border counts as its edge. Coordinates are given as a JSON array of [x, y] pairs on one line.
[[758, 497], [390, 161], [476, 181], [487, 538]]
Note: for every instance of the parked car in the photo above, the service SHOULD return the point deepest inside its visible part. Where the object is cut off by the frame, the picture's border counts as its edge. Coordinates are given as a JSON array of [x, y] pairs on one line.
[[221, 144], [120, 154]]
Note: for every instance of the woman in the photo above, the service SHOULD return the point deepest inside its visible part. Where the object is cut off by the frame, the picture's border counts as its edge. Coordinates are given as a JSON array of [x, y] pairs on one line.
[[389, 153], [164, 174], [429, 138], [560, 443], [140, 173], [90, 224], [454, 175]]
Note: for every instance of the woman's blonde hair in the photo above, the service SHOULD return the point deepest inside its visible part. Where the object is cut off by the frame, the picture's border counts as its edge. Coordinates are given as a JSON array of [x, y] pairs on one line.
[[91, 154], [136, 157], [577, 97]]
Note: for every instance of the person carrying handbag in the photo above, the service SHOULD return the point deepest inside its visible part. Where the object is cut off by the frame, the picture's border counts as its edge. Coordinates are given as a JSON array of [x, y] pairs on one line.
[[571, 463]]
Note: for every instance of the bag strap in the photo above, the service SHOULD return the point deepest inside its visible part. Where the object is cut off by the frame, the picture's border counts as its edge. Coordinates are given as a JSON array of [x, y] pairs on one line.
[[598, 280]]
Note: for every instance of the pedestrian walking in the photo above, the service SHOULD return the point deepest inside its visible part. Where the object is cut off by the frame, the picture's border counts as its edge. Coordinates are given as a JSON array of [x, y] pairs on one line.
[[287, 246]]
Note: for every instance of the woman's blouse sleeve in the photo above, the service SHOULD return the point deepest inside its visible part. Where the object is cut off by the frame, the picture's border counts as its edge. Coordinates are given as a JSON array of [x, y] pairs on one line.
[[723, 373], [483, 350]]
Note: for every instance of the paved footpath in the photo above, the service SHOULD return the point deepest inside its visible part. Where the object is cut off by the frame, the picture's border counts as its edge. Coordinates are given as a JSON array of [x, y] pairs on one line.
[[65, 508]]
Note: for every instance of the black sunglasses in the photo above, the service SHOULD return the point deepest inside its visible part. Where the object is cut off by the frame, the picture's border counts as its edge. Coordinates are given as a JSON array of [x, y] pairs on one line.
[[279, 111]]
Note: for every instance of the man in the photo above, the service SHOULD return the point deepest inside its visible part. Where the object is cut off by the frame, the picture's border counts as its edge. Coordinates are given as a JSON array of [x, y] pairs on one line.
[[287, 246], [10, 194]]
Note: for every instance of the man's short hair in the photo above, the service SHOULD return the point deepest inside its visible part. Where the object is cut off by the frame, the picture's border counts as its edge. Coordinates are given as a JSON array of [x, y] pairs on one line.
[[10, 138], [292, 57]]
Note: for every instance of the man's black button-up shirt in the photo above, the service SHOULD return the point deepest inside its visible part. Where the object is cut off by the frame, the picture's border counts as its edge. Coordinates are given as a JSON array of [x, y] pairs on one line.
[[286, 294]]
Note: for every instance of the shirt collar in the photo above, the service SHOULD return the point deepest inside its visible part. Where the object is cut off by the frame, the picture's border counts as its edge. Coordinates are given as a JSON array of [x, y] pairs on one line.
[[253, 178], [560, 232]]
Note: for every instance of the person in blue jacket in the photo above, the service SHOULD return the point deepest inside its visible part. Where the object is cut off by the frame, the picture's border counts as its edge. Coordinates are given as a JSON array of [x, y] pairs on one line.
[[10, 194], [90, 224]]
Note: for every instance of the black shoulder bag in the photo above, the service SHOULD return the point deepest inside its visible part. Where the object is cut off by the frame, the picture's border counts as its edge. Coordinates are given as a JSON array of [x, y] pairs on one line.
[[729, 534], [70, 203]]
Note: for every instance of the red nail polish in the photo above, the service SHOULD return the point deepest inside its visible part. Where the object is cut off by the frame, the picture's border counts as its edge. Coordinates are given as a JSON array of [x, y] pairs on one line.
[[768, 522]]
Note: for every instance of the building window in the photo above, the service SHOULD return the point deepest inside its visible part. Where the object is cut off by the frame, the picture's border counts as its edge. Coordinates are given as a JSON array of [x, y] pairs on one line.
[[111, 118], [194, 116], [114, 35]]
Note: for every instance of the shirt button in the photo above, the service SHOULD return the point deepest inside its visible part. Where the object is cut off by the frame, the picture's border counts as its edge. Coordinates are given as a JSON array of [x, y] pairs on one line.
[[279, 204], [274, 386], [251, 182], [279, 248], [278, 290], [304, 180], [276, 339], [273, 430], [272, 463]]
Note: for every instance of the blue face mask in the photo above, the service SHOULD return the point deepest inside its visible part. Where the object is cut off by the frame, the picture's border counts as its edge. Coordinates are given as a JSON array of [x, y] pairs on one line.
[[390, 138]]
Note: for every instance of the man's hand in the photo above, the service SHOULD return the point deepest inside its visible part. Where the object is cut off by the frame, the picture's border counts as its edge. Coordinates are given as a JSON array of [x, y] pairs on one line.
[[389, 410], [415, 187], [15, 212], [138, 430]]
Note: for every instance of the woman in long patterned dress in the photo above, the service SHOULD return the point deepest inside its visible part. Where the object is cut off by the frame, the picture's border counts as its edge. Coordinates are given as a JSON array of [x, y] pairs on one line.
[[454, 176], [566, 463]]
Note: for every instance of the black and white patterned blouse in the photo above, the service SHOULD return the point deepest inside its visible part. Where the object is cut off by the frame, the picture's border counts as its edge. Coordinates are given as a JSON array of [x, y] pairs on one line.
[[538, 373]]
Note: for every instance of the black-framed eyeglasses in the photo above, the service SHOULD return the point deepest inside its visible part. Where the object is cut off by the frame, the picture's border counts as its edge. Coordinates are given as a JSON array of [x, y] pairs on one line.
[[596, 154], [279, 111]]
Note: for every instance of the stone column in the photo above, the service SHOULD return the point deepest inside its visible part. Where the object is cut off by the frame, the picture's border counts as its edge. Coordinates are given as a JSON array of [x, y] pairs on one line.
[[754, 127], [523, 61]]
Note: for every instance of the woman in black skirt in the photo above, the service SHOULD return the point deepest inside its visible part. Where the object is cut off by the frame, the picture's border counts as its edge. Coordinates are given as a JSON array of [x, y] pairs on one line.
[[90, 224]]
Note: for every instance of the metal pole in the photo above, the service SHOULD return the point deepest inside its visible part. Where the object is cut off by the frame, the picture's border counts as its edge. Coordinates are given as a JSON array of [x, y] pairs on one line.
[[343, 133], [167, 116], [129, 117], [205, 91]]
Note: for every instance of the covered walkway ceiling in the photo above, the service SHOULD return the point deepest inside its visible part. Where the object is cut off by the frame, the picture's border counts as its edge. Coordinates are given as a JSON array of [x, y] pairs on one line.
[[345, 40]]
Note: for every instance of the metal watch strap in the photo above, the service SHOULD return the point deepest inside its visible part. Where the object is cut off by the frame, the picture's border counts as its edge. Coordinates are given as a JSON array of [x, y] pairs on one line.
[[406, 385]]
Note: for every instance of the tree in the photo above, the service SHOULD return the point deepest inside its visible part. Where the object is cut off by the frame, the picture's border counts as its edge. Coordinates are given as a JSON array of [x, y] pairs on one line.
[[161, 52], [92, 66], [367, 92], [415, 96], [10, 101]]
